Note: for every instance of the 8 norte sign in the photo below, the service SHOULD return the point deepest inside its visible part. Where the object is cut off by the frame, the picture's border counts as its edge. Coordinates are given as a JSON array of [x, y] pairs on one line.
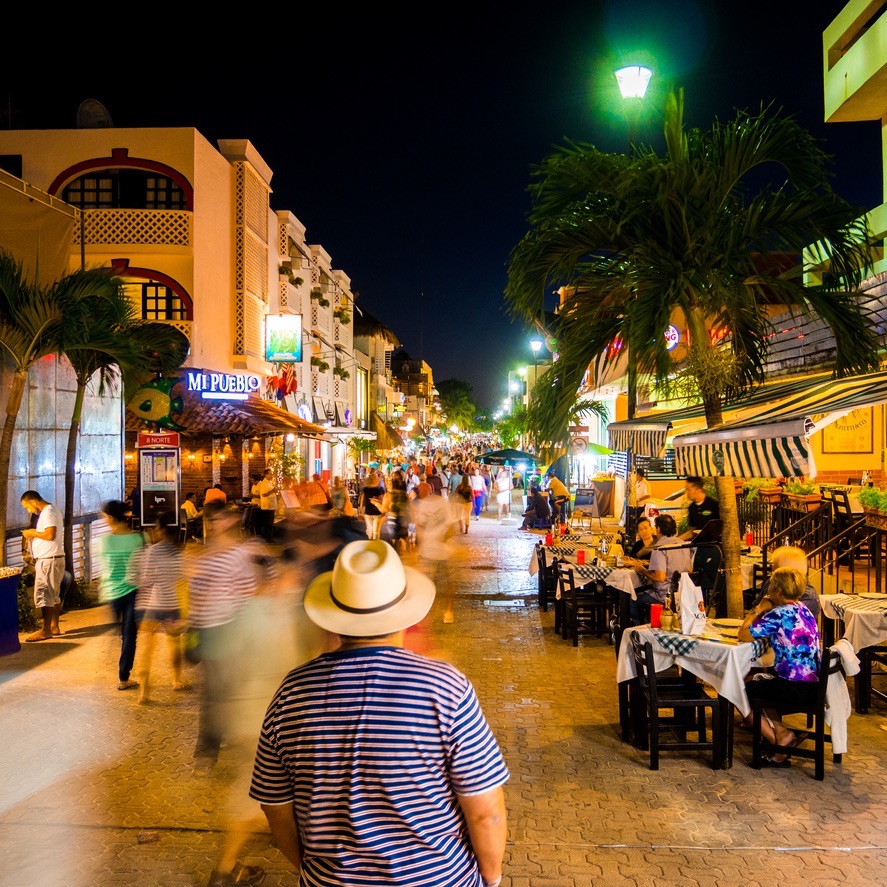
[[221, 386]]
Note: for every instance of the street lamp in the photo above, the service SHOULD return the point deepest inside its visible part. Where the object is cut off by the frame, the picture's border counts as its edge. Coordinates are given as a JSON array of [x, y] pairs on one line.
[[535, 344], [633, 81]]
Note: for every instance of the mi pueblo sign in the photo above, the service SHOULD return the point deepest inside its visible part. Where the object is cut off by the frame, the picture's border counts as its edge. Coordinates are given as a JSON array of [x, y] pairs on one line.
[[221, 386]]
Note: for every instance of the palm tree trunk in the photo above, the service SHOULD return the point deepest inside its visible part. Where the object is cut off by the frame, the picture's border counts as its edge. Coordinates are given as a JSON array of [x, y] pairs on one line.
[[70, 465], [730, 543], [13, 405]]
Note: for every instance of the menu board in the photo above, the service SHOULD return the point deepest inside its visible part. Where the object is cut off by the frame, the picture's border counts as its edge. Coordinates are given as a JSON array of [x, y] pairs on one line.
[[159, 482]]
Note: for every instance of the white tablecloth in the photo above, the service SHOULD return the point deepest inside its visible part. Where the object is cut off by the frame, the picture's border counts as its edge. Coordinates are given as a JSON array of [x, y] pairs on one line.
[[722, 665], [865, 619]]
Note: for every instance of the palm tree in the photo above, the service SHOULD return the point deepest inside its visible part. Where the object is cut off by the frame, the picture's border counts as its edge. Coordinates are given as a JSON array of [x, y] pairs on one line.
[[105, 337], [700, 231], [30, 322]]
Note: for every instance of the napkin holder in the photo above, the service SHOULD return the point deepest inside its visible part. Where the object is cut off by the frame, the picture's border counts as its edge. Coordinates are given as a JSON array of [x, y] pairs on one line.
[[691, 607]]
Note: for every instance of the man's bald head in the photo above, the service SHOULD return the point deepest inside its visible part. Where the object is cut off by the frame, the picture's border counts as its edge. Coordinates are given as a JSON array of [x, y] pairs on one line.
[[790, 556]]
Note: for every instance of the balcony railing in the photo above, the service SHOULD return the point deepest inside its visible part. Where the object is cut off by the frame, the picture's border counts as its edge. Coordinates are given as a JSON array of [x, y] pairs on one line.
[[133, 227]]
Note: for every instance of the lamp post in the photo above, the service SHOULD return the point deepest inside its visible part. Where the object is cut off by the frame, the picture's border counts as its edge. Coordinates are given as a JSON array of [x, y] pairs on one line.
[[633, 81], [535, 344]]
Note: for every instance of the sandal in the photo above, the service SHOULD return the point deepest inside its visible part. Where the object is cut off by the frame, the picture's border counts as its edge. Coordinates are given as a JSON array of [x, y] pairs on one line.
[[767, 761]]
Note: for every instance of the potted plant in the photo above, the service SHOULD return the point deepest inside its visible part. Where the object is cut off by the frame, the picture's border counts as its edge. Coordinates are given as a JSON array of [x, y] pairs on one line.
[[802, 496], [320, 365], [874, 506], [317, 296], [341, 372], [342, 315], [766, 489]]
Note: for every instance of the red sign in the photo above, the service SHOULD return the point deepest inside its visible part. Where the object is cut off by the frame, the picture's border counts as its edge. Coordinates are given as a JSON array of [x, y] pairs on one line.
[[160, 439]]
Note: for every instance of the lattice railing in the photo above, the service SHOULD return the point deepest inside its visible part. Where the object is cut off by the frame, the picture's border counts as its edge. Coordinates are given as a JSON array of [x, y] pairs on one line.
[[162, 227]]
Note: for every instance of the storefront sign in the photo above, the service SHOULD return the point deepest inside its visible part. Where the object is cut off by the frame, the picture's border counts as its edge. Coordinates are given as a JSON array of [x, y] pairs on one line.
[[221, 386], [672, 337], [283, 338], [161, 439], [159, 482]]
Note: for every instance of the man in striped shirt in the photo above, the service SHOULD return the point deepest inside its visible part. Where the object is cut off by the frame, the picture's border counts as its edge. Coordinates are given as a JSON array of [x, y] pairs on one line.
[[376, 765]]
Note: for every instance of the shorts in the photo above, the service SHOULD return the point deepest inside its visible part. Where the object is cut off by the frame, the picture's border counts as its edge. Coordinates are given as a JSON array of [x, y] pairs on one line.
[[164, 617], [48, 575]]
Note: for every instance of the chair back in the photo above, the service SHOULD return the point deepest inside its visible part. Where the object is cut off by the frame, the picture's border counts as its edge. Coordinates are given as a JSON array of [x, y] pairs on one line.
[[830, 663], [566, 582], [646, 668]]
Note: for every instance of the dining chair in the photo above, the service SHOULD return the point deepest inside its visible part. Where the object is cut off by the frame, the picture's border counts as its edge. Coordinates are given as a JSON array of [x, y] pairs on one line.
[[863, 687], [815, 712], [548, 587], [674, 711], [584, 610]]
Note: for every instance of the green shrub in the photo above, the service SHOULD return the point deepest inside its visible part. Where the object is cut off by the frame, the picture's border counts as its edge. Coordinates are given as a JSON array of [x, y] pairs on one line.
[[797, 488], [753, 484], [872, 497]]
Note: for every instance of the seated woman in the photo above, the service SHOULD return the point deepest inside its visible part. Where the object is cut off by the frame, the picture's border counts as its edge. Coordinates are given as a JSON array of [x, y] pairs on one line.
[[537, 508], [794, 638]]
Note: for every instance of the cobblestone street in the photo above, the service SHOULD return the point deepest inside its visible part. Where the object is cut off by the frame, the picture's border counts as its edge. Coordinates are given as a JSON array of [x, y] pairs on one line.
[[99, 790]]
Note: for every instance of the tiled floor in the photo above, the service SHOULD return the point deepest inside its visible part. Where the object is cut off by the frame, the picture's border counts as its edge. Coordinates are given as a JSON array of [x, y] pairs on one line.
[[95, 789]]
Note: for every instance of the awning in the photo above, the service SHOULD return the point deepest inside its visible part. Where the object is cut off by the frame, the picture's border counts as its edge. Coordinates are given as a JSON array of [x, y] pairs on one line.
[[774, 442], [386, 437], [250, 416], [647, 435]]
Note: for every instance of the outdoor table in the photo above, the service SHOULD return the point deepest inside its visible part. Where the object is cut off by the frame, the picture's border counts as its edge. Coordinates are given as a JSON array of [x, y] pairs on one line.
[[563, 552], [864, 618], [721, 662]]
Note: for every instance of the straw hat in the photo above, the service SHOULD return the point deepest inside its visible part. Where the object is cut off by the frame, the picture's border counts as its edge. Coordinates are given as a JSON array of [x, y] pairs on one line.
[[369, 592]]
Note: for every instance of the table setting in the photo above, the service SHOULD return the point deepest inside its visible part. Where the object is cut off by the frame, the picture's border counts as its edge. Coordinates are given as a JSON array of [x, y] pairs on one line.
[[864, 617]]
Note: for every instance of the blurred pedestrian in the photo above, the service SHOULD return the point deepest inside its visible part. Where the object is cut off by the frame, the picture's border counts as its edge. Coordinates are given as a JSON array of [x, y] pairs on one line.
[[503, 489], [478, 491], [268, 491], [463, 498], [222, 577], [434, 531], [117, 588], [45, 540], [370, 505], [375, 765], [157, 574]]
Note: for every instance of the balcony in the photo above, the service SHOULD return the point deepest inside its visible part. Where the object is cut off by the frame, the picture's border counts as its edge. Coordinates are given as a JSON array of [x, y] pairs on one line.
[[136, 227]]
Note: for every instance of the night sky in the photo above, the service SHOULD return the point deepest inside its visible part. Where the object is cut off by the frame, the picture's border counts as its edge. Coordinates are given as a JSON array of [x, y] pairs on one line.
[[404, 141]]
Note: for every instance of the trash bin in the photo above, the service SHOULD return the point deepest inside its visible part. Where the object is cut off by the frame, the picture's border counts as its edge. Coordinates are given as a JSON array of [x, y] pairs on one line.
[[9, 583]]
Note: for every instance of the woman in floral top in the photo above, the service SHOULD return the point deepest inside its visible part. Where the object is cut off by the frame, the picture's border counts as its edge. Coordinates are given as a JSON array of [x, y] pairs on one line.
[[794, 638]]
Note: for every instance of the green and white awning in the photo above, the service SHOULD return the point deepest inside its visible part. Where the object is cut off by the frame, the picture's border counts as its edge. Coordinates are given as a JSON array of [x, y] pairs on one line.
[[776, 441], [648, 435]]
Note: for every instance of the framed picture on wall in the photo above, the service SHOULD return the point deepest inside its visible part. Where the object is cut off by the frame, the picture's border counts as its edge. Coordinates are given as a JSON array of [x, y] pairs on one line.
[[853, 433]]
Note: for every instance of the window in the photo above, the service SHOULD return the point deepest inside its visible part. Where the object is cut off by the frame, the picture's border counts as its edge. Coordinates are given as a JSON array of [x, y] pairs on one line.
[[161, 303], [124, 189]]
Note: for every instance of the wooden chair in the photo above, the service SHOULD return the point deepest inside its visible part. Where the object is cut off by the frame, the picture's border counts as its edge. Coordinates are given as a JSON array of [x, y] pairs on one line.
[[863, 688], [584, 610], [548, 585], [687, 707], [815, 712]]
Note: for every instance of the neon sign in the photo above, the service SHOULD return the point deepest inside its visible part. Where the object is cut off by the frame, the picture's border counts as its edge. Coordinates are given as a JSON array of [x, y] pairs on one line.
[[221, 386], [672, 337]]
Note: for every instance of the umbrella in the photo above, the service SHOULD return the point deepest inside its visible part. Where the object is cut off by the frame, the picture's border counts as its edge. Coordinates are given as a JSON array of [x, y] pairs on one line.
[[500, 457]]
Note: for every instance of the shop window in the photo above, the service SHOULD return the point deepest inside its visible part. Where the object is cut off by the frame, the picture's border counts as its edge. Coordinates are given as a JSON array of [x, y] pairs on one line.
[[161, 303]]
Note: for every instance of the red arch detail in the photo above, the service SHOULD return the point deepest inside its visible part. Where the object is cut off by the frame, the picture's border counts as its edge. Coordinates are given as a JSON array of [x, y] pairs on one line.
[[121, 268], [120, 158]]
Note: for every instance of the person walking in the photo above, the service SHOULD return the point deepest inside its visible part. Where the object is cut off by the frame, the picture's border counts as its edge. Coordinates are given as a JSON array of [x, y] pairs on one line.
[[463, 497], [116, 550], [337, 808], [157, 572], [478, 491], [45, 540], [503, 488], [370, 504]]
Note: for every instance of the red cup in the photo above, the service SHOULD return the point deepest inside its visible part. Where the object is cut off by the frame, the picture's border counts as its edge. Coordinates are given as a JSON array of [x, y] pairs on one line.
[[655, 615], [580, 556], [549, 538]]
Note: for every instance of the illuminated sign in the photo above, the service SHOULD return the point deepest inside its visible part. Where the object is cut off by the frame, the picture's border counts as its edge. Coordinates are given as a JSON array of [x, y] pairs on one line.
[[221, 386], [160, 439], [672, 337], [304, 412], [283, 338]]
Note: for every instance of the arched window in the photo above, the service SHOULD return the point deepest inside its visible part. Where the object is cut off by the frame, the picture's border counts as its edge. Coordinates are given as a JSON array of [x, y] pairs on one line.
[[159, 302], [124, 189]]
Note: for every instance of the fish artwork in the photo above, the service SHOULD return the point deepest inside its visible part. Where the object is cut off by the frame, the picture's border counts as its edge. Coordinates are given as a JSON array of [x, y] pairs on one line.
[[154, 403]]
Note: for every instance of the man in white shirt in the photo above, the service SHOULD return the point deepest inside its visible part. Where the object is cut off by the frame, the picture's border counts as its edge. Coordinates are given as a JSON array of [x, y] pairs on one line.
[[267, 490], [47, 549]]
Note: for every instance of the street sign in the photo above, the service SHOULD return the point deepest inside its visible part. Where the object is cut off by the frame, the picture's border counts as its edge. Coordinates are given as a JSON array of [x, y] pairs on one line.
[[157, 439]]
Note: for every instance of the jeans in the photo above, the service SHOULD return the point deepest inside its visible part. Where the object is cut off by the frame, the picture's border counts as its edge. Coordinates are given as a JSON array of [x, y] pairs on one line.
[[125, 613], [639, 609], [477, 504]]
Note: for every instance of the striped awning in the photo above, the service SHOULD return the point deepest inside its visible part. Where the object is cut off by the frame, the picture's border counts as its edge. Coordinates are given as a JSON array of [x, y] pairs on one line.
[[648, 435], [774, 442], [646, 439]]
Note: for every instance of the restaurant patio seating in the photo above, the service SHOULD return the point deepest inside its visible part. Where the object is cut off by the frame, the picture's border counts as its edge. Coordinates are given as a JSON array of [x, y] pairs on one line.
[[548, 585], [863, 688], [686, 704], [815, 712]]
